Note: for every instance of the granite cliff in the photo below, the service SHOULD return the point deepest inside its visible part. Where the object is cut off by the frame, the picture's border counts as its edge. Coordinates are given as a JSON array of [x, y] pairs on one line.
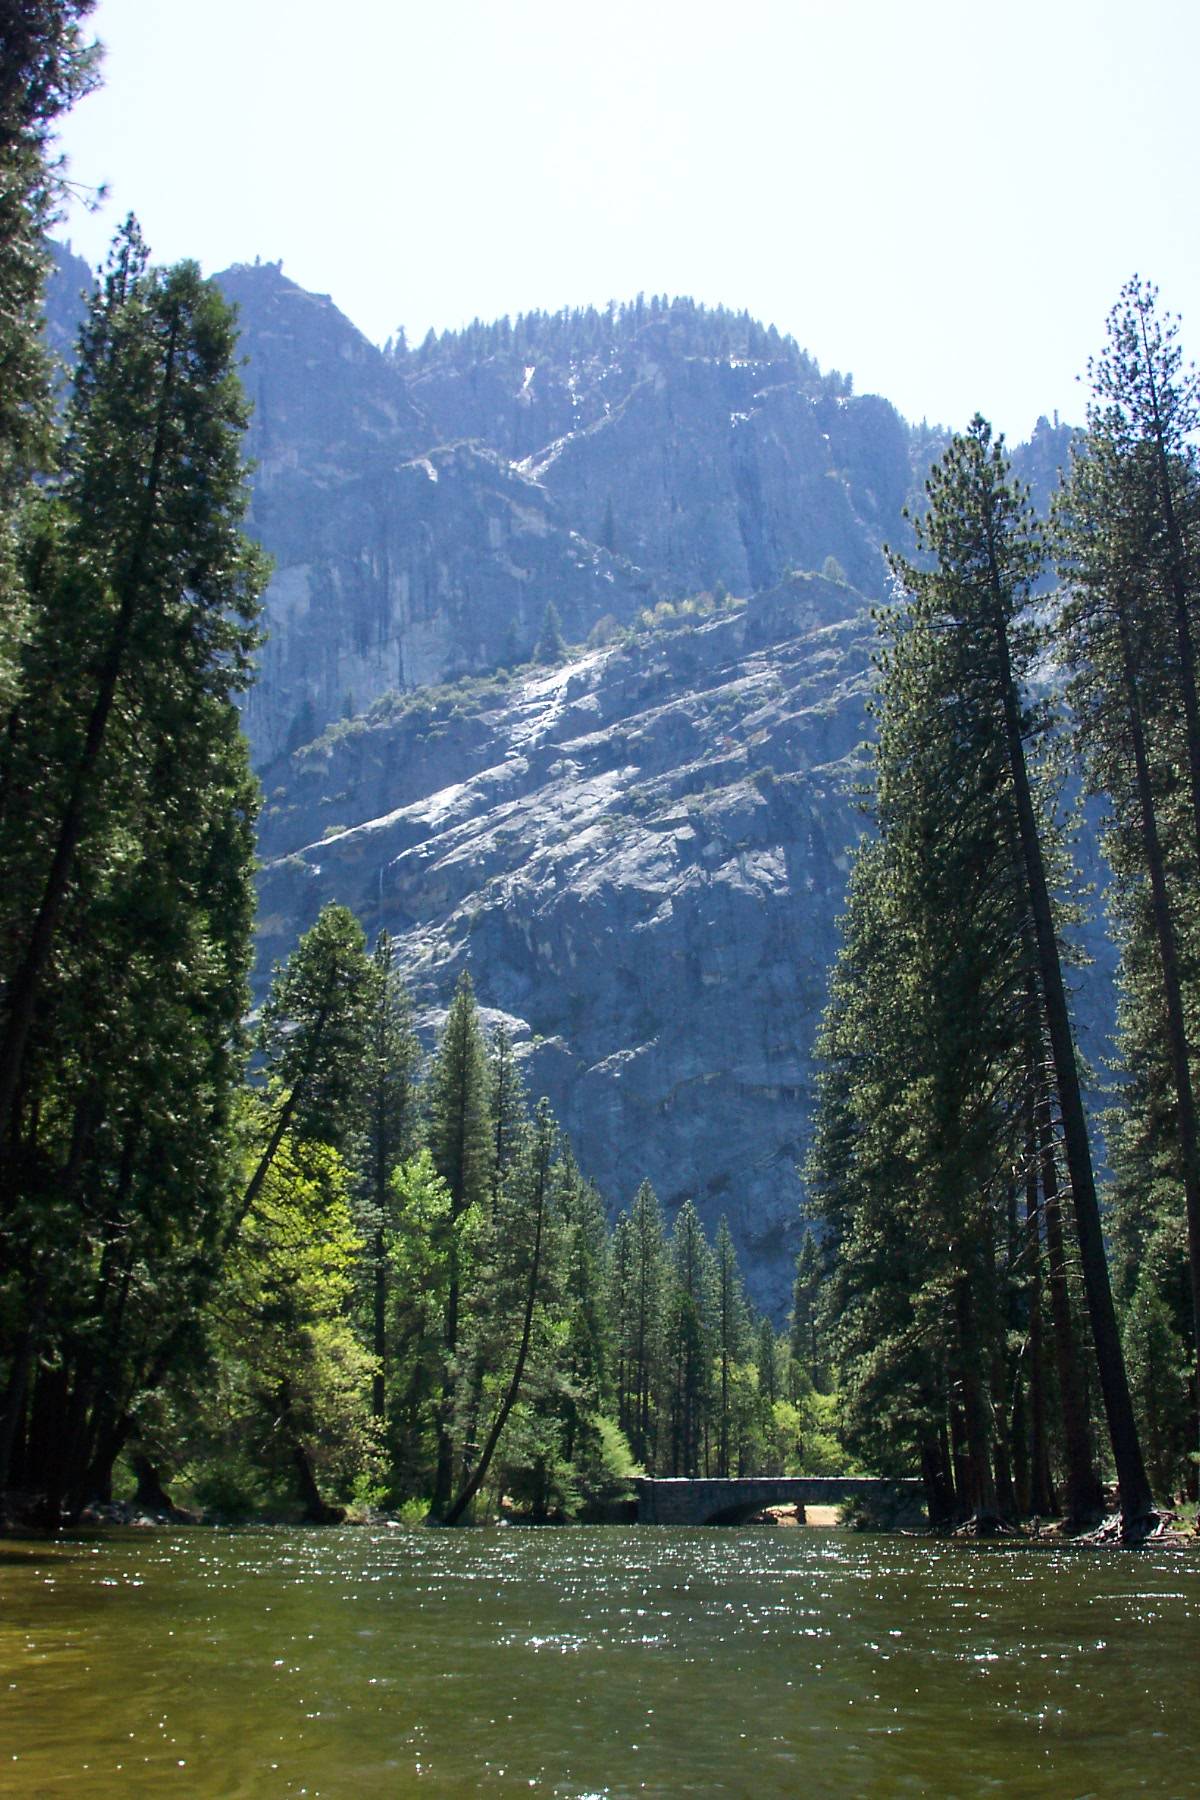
[[641, 852], [640, 855]]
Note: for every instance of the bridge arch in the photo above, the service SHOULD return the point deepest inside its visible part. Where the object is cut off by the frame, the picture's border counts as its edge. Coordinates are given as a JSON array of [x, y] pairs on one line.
[[684, 1501], [745, 1509]]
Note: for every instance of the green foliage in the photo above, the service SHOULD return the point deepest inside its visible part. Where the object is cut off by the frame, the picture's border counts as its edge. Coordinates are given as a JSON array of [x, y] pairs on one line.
[[1128, 533], [551, 646], [328, 1282], [934, 1034], [1157, 1353], [45, 66], [126, 810], [290, 1374], [316, 1029]]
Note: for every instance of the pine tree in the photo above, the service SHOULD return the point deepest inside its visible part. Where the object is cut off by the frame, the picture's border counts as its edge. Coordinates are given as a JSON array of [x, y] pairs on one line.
[[588, 1390], [390, 1134], [125, 825], [460, 1139], [526, 1222], [987, 555], [688, 1349], [141, 589], [315, 1039], [802, 1322], [1129, 538], [731, 1332], [550, 647], [45, 66], [640, 1303]]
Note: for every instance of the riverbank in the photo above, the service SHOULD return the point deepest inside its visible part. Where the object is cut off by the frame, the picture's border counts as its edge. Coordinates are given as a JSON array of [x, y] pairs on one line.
[[1173, 1531]]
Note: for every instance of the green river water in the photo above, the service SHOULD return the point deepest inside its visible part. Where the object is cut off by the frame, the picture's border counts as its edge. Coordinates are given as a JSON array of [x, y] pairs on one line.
[[355, 1664]]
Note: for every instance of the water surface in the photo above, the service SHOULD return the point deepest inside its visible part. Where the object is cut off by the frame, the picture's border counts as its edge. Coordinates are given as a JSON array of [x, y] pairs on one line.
[[360, 1664]]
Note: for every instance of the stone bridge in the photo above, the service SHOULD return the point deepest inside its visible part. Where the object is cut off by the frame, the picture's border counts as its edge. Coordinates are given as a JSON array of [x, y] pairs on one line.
[[701, 1502]]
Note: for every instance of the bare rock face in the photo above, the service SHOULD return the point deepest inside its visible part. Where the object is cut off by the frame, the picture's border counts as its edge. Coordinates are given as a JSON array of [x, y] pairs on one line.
[[400, 559], [711, 451], [423, 508], [640, 855], [411, 574], [737, 473]]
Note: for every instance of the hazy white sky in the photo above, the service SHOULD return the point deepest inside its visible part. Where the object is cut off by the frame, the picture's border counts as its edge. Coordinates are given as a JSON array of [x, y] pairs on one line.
[[942, 197]]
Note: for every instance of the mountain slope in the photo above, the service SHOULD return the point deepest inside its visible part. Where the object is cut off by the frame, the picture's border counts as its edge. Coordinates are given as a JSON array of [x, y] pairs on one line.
[[640, 855]]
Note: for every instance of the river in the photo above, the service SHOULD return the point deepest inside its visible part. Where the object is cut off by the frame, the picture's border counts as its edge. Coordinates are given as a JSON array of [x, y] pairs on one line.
[[359, 1664]]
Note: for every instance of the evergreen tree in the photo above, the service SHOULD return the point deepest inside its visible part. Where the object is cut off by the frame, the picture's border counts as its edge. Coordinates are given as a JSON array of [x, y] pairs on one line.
[[125, 967], [391, 1074], [318, 1032], [802, 1321], [525, 1234], [587, 1351], [460, 1140], [1129, 535], [731, 1330], [551, 646], [45, 66], [509, 1107], [141, 591], [419, 1245], [639, 1277], [987, 555], [315, 1039], [690, 1334], [288, 1405]]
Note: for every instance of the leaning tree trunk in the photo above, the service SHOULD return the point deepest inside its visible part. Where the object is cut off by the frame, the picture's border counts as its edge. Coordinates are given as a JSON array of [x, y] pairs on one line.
[[1168, 955], [976, 1413], [1136, 1501], [1084, 1495], [316, 1510], [31, 965], [1041, 1487], [477, 1479], [150, 1494]]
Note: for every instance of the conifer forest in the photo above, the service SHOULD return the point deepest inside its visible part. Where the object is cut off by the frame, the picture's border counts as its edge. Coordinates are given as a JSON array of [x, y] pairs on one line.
[[288, 1245]]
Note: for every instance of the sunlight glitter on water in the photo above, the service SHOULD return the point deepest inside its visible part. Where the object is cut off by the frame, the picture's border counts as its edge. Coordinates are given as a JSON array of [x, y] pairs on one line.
[[591, 1662]]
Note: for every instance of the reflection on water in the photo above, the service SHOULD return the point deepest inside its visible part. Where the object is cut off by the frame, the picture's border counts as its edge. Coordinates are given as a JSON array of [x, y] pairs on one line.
[[592, 1662]]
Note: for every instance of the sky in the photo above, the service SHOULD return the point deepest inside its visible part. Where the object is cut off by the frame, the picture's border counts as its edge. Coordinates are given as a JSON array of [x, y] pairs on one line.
[[942, 198]]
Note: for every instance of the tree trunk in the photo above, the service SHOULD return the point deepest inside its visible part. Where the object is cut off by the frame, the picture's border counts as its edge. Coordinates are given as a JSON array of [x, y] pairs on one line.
[[14, 1401], [1084, 1495], [1136, 1501], [1168, 954], [1041, 1488], [150, 1493], [958, 1462], [379, 1331], [45, 1471], [443, 1482], [939, 1496], [316, 1512], [476, 1481], [26, 981], [980, 1494]]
